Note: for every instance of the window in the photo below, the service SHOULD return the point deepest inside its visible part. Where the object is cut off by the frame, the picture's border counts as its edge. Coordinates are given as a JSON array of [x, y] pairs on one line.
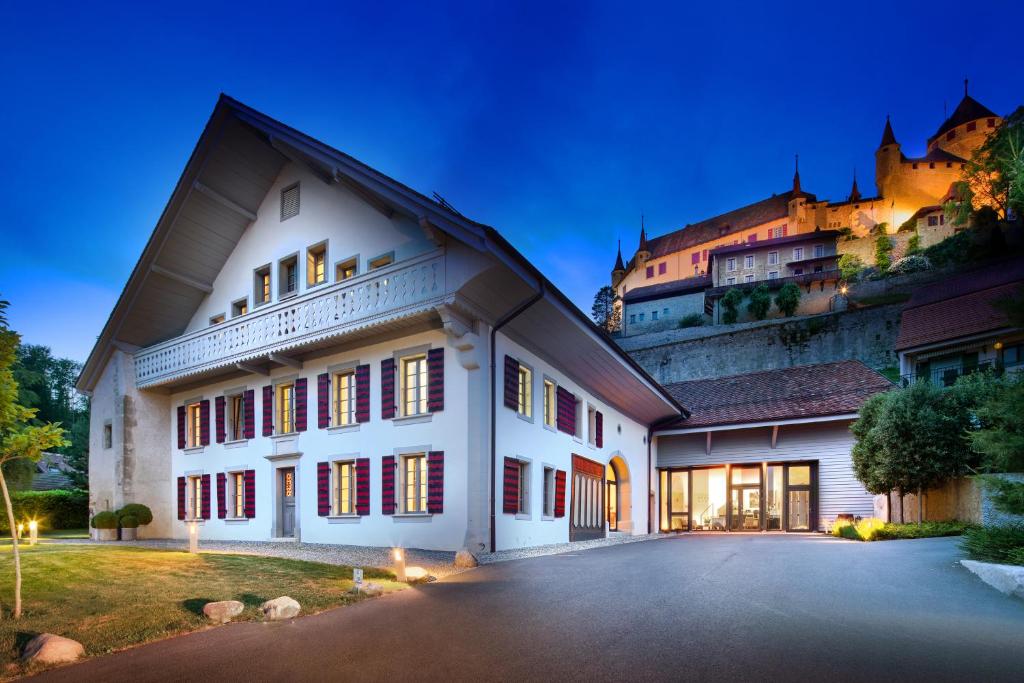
[[798, 253], [773, 258], [108, 435], [933, 220], [382, 260], [632, 318], [344, 412], [235, 418], [664, 311], [217, 319], [413, 381], [914, 166], [285, 408], [776, 232], [236, 494], [240, 307], [579, 418], [288, 275], [549, 403], [549, 492], [641, 317], [345, 269], [819, 250], [704, 255], [752, 237], [798, 271], [942, 219], [730, 280], [414, 483], [730, 264], [195, 422], [951, 135], [662, 267], [523, 484], [344, 494], [261, 288], [773, 275], [525, 392], [290, 202], [748, 262], [193, 504], [654, 315], [972, 126], [931, 164], [991, 123], [650, 271], [591, 425], [749, 277], [818, 269], [316, 265]]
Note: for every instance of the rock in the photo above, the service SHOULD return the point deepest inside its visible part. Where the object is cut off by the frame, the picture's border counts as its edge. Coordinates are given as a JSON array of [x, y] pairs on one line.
[[369, 588], [46, 648], [416, 574], [221, 612], [280, 608], [465, 559]]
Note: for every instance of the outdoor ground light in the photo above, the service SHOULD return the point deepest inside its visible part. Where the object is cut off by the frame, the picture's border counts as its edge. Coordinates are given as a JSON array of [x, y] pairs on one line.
[[842, 290], [33, 532], [193, 538], [21, 530], [399, 564]]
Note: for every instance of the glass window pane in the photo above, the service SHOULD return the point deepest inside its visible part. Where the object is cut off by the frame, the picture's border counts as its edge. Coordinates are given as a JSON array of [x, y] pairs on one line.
[[664, 500], [799, 475], [773, 501], [746, 475]]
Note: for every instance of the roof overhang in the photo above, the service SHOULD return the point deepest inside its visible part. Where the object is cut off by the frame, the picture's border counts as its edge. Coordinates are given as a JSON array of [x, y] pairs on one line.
[[756, 425]]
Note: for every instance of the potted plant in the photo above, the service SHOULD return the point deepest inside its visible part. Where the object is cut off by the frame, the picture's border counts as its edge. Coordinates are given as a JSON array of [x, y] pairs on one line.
[[142, 516], [129, 527], [105, 524]]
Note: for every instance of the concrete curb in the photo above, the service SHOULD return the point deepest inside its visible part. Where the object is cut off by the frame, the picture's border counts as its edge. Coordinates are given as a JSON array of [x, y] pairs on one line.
[[1005, 578]]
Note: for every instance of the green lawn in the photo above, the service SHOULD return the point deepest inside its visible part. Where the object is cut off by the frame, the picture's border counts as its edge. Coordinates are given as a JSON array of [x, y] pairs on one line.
[[109, 598]]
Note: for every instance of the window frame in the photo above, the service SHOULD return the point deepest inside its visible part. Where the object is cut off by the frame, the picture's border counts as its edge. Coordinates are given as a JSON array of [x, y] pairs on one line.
[[419, 484], [298, 200], [281, 410], [423, 381], [773, 258], [730, 264], [375, 263], [239, 307], [337, 467], [337, 409], [523, 488], [549, 403], [232, 432], [748, 262], [236, 499], [344, 264], [194, 498], [108, 434], [578, 408], [591, 425], [748, 277], [193, 424], [218, 319], [773, 275], [548, 492], [259, 286], [312, 251], [283, 263], [819, 248], [524, 392], [798, 253]]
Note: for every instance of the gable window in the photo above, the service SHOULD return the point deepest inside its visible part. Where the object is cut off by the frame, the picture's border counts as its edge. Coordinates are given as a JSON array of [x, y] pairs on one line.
[[290, 202], [650, 271], [288, 276], [193, 503], [549, 492], [549, 403], [195, 422], [798, 253], [344, 398], [344, 494], [345, 269], [730, 264], [525, 392], [235, 417], [285, 408], [773, 275], [236, 494], [217, 319], [382, 260], [591, 425], [316, 265], [261, 286], [748, 262], [414, 483], [773, 258], [413, 380], [240, 307], [662, 268], [819, 250]]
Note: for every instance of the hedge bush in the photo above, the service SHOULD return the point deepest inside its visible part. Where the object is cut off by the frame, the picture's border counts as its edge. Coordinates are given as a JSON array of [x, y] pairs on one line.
[[128, 522], [872, 529], [61, 509], [1001, 544], [142, 514], [104, 520]]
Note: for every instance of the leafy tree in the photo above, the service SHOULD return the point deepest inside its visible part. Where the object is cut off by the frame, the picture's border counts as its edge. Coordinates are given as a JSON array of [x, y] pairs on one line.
[[883, 252], [850, 266], [788, 299], [19, 439], [914, 244], [1000, 441], [606, 311], [1013, 306], [869, 452], [760, 302], [692, 320], [730, 305], [994, 175]]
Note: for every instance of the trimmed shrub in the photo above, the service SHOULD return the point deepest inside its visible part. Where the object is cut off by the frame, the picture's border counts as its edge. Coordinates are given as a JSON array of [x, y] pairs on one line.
[[730, 305], [788, 299], [692, 320], [104, 520], [60, 509], [914, 263], [140, 512], [850, 266], [760, 302], [872, 529], [1000, 544], [128, 522]]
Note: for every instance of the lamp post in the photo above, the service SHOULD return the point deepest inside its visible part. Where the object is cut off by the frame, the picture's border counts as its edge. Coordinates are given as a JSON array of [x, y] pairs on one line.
[[193, 537], [33, 532]]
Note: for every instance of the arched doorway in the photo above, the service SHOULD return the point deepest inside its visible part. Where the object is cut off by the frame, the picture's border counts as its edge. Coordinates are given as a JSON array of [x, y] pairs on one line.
[[618, 495]]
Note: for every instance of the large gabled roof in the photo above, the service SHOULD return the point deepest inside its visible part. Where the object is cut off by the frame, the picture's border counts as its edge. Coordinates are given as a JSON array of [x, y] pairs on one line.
[[968, 110]]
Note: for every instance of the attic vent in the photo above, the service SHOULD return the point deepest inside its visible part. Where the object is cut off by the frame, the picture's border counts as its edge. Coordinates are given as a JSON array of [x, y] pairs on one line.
[[290, 202]]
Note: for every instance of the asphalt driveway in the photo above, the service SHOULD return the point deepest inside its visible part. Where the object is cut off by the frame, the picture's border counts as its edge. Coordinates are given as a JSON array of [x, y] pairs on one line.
[[710, 608]]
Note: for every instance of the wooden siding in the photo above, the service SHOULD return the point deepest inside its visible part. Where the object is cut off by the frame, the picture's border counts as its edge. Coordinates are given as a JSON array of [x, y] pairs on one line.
[[827, 442]]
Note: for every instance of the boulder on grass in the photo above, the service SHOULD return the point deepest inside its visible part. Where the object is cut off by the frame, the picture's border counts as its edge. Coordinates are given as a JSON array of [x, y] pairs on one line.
[[280, 608], [47, 648], [223, 611], [369, 588], [465, 559]]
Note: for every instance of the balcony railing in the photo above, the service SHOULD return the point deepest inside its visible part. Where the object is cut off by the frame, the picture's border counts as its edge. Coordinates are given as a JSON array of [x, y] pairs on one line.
[[947, 377], [388, 293]]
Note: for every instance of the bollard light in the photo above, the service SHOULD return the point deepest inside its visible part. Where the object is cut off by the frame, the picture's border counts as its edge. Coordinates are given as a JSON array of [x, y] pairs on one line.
[[33, 532], [21, 530], [193, 537], [399, 565]]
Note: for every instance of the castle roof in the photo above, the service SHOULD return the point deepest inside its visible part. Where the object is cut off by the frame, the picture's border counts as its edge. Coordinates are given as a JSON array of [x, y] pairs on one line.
[[688, 285], [969, 109], [938, 155], [888, 138], [789, 239], [618, 259]]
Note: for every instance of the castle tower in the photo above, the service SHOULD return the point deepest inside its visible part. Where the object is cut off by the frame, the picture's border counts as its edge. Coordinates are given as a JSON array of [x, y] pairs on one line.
[[619, 271], [854, 191], [966, 128], [887, 159], [642, 253]]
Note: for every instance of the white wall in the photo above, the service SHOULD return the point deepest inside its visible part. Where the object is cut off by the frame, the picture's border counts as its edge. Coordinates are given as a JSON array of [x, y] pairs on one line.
[[519, 438]]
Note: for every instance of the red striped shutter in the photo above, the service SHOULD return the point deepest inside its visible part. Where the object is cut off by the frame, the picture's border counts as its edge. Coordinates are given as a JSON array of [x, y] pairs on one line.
[[785, 230], [249, 406], [387, 388], [323, 488], [222, 500], [300, 404], [204, 423], [566, 411], [599, 429], [510, 499], [249, 504], [181, 497], [559, 493], [204, 500], [268, 410], [181, 428], [323, 401], [363, 393], [387, 484], [511, 383], [704, 255], [435, 380], [769, 233], [219, 406], [363, 486], [435, 482]]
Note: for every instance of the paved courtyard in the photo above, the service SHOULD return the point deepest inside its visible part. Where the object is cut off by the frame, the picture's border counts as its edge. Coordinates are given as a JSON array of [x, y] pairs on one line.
[[710, 608]]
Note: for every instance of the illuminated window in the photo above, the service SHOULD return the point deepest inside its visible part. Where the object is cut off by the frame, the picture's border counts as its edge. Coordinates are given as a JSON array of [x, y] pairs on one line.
[[414, 483], [345, 269], [344, 399], [288, 276], [195, 425], [261, 290], [285, 408], [413, 380], [549, 492], [217, 319], [236, 417], [344, 488], [381, 261], [236, 493], [525, 392], [316, 265], [240, 307], [549, 403]]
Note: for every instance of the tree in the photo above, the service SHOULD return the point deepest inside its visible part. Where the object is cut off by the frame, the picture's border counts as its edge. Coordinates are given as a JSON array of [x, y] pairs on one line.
[[788, 299], [730, 305], [760, 302], [606, 311], [883, 252], [1000, 441], [19, 439], [868, 453], [994, 175], [850, 266]]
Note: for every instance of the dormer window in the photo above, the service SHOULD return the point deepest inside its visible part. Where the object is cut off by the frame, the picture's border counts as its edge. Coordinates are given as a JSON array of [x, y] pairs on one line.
[[290, 202], [261, 286], [316, 265]]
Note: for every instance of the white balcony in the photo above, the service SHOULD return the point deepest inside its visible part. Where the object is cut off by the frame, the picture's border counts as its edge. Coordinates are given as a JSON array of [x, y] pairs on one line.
[[391, 293]]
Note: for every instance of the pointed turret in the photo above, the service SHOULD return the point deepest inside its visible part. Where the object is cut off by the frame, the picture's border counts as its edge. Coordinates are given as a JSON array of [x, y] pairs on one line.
[[642, 254], [796, 175], [619, 271], [854, 191], [888, 138]]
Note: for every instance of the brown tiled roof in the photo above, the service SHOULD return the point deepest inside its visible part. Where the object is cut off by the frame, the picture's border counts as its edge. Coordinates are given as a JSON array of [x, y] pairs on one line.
[[790, 239], [937, 155], [784, 394], [665, 289], [959, 307], [969, 109]]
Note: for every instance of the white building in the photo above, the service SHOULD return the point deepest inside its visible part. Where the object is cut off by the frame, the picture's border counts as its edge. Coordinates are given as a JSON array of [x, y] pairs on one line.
[[308, 349]]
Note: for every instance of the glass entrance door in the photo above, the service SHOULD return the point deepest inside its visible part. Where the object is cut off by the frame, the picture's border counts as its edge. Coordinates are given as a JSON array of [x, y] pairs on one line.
[[710, 503], [745, 498], [799, 501]]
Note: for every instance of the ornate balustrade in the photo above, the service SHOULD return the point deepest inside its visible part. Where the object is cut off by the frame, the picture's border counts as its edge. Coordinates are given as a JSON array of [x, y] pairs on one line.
[[380, 295]]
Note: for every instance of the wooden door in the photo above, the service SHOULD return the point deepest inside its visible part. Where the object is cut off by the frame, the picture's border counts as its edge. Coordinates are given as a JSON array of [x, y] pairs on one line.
[[586, 510]]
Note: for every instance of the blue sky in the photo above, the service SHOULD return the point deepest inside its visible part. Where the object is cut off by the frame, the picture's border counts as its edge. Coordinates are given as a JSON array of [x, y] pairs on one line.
[[557, 123]]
